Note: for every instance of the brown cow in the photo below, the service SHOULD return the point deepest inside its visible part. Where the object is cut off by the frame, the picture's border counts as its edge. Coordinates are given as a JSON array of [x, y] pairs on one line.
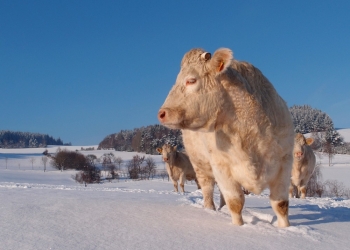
[[241, 127], [178, 166], [303, 165]]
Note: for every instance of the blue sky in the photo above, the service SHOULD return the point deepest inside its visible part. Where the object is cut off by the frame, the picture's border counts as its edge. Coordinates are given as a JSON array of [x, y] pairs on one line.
[[81, 70]]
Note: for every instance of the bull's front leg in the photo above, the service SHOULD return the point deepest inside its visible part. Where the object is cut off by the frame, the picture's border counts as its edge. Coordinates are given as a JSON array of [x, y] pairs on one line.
[[207, 183], [233, 196], [175, 186], [231, 191], [291, 190], [298, 192], [302, 190], [182, 182], [174, 183]]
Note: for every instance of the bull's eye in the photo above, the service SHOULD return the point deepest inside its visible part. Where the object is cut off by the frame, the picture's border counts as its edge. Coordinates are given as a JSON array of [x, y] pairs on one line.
[[191, 81]]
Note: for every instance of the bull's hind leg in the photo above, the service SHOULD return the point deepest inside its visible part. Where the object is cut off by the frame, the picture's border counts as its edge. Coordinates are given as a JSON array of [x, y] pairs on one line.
[[279, 189], [222, 201]]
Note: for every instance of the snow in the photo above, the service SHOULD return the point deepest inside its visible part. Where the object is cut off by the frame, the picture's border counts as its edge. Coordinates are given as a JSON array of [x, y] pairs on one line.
[[48, 210], [345, 133]]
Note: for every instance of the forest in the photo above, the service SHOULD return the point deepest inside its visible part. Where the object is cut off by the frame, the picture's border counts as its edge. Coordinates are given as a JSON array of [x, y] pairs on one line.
[[15, 139]]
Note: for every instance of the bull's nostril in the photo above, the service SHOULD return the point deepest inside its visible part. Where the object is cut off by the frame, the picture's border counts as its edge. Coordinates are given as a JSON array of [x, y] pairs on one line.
[[161, 114]]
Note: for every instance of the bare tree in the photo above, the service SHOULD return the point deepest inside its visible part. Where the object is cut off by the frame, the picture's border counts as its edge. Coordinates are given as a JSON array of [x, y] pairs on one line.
[[119, 162], [328, 148], [150, 167], [134, 167], [44, 159], [336, 188], [91, 159], [32, 160], [107, 159], [112, 174], [164, 174]]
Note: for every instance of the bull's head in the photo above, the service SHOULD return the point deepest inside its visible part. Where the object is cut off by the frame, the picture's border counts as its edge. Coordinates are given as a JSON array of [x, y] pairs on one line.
[[196, 99], [300, 143], [167, 152]]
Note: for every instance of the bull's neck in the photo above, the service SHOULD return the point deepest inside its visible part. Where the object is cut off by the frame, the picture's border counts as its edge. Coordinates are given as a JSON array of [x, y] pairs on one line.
[[173, 159], [300, 163]]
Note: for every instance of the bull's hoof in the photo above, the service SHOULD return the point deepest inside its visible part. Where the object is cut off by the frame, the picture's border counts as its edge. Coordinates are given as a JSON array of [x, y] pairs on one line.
[[237, 221]]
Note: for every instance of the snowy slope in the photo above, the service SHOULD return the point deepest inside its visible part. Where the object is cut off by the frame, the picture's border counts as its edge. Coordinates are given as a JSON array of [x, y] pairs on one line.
[[345, 133], [50, 211]]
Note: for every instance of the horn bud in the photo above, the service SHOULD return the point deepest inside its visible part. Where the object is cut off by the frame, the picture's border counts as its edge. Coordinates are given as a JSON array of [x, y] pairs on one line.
[[206, 56]]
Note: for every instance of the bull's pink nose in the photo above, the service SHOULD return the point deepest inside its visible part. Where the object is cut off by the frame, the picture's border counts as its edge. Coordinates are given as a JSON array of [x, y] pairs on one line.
[[299, 154], [161, 115]]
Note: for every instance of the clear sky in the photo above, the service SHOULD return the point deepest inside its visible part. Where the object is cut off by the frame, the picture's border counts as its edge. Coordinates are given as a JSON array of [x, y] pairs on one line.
[[81, 70]]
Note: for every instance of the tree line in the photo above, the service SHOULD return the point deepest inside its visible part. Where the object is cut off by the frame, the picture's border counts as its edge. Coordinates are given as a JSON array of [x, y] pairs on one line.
[[15, 139], [144, 139]]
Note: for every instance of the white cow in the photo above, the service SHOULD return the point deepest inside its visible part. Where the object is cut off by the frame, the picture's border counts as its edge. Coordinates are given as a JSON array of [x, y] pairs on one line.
[[178, 166], [236, 129], [303, 165]]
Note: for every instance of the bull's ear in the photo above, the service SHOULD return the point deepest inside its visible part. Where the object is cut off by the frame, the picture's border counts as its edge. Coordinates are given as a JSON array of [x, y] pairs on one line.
[[309, 141], [159, 150], [221, 60]]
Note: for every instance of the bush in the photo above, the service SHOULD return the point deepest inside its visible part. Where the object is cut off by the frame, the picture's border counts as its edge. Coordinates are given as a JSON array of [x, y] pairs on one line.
[[65, 159], [315, 187], [90, 175], [335, 188], [331, 188]]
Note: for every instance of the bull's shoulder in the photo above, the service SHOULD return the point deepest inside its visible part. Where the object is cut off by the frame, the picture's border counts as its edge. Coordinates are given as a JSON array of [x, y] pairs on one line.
[[260, 94]]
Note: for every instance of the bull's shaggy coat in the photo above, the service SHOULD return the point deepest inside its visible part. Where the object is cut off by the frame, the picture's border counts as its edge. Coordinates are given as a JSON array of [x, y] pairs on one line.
[[236, 129]]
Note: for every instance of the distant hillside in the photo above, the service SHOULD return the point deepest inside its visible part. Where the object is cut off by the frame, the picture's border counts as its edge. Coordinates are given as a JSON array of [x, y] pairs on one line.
[[11, 139], [145, 139]]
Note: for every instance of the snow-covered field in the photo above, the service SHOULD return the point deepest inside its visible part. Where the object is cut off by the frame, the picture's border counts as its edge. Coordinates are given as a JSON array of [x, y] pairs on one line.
[[50, 211]]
